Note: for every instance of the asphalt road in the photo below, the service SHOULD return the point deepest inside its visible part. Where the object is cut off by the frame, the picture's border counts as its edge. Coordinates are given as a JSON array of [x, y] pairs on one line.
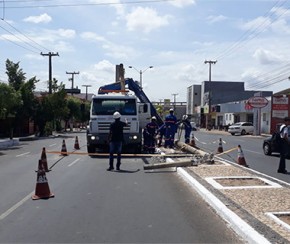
[[92, 205], [251, 147]]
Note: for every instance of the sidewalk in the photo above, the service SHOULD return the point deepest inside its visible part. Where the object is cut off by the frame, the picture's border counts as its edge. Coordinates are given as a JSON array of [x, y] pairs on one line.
[[6, 143]]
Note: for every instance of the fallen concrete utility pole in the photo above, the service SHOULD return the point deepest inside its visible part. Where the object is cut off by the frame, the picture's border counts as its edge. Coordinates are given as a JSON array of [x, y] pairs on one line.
[[202, 157], [183, 163], [185, 147]]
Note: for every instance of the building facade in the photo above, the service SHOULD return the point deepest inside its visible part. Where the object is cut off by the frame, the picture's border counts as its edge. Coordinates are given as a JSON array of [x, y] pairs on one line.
[[224, 103]]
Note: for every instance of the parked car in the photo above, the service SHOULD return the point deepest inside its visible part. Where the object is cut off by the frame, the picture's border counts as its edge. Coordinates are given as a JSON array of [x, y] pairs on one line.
[[270, 146], [241, 128]]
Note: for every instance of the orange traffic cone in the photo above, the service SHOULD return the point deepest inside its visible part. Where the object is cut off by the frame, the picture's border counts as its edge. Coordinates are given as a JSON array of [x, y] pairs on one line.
[[44, 160], [220, 147], [77, 146], [63, 149], [192, 141], [42, 189], [241, 159]]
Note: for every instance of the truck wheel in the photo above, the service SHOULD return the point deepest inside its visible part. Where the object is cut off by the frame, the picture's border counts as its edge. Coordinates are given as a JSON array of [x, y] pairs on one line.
[[138, 149]]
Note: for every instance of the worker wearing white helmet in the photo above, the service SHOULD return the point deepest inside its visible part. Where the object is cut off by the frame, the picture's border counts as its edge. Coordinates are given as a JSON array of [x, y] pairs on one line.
[[116, 115], [116, 140]]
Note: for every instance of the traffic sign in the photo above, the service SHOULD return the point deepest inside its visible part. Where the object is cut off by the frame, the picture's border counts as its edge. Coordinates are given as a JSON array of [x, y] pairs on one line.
[[258, 102]]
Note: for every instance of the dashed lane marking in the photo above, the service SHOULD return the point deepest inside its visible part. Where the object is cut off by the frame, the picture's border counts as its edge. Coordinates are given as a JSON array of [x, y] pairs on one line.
[[14, 207], [19, 155], [74, 162]]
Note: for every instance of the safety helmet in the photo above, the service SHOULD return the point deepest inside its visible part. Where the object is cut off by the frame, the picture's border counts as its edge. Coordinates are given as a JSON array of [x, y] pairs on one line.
[[153, 118], [171, 110], [184, 117], [116, 115]]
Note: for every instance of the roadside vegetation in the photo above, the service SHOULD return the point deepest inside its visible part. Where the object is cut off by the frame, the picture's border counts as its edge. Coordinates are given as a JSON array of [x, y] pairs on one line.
[[19, 104]]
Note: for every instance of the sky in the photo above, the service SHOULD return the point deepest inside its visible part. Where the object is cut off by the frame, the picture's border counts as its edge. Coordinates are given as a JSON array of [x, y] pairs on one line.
[[249, 39]]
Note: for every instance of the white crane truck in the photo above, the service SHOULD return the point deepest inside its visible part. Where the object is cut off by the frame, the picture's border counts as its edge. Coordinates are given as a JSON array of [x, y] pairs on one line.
[[136, 108]]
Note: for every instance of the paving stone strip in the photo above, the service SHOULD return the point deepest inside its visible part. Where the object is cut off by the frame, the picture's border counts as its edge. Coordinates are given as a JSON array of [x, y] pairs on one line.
[[250, 204]]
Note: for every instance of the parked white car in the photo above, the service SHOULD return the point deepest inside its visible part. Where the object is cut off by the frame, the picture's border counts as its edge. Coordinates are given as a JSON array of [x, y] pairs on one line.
[[242, 128]]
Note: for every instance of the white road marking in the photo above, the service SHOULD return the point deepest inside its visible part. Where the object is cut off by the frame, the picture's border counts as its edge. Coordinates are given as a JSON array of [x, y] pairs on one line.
[[51, 145], [19, 155], [252, 151], [17, 205], [74, 162]]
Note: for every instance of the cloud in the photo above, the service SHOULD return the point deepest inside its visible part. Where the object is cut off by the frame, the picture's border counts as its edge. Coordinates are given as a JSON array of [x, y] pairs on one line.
[[266, 57], [145, 20], [182, 3], [99, 74], [43, 18], [114, 50], [214, 19], [259, 23], [92, 36], [104, 65], [113, 3], [67, 33]]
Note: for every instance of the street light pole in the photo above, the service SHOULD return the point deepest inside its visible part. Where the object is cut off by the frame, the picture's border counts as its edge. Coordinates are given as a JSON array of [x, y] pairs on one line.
[[86, 86], [140, 72], [208, 122], [174, 100]]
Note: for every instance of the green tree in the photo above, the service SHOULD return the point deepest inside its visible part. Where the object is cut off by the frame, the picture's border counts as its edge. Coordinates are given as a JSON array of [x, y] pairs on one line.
[[17, 80], [10, 100], [16, 77], [74, 110]]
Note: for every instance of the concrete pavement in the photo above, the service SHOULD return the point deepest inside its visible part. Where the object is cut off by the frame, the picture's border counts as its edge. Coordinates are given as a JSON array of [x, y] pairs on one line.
[[244, 225]]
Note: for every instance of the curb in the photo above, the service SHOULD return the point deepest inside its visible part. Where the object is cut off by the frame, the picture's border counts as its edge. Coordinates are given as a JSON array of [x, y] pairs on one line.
[[236, 223]]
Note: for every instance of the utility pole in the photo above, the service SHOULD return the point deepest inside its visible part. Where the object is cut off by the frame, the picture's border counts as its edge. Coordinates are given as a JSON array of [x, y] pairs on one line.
[[86, 86], [174, 100], [72, 77], [50, 54], [208, 121]]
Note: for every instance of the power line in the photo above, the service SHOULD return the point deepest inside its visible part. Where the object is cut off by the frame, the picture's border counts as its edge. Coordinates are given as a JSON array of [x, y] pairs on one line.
[[254, 32], [27, 37], [81, 4]]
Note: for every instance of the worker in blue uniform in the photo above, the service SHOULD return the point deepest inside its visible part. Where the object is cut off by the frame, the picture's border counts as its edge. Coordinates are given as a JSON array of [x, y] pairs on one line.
[[187, 128], [145, 140], [161, 132], [170, 129], [152, 128]]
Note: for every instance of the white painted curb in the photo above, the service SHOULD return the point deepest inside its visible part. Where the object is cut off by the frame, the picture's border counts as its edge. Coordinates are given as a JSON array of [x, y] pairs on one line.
[[9, 143], [237, 224]]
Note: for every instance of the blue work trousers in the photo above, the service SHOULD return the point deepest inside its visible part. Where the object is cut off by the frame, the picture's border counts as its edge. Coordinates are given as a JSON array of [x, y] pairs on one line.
[[115, 147]]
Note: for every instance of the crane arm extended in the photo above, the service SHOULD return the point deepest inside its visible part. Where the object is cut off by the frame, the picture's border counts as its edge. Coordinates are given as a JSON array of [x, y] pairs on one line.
[[133, 86]]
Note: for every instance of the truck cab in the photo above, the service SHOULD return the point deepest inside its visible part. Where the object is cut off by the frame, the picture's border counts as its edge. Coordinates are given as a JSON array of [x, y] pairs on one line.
[[102, 109]]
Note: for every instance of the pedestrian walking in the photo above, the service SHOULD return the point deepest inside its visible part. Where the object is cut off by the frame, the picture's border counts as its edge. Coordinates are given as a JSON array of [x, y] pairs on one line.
[[152, 128], [284, 146], [116, 138], [171, 128]]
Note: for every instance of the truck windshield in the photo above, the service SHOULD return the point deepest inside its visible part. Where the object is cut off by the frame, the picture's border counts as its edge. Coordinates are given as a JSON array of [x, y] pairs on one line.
[[107, 106]]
